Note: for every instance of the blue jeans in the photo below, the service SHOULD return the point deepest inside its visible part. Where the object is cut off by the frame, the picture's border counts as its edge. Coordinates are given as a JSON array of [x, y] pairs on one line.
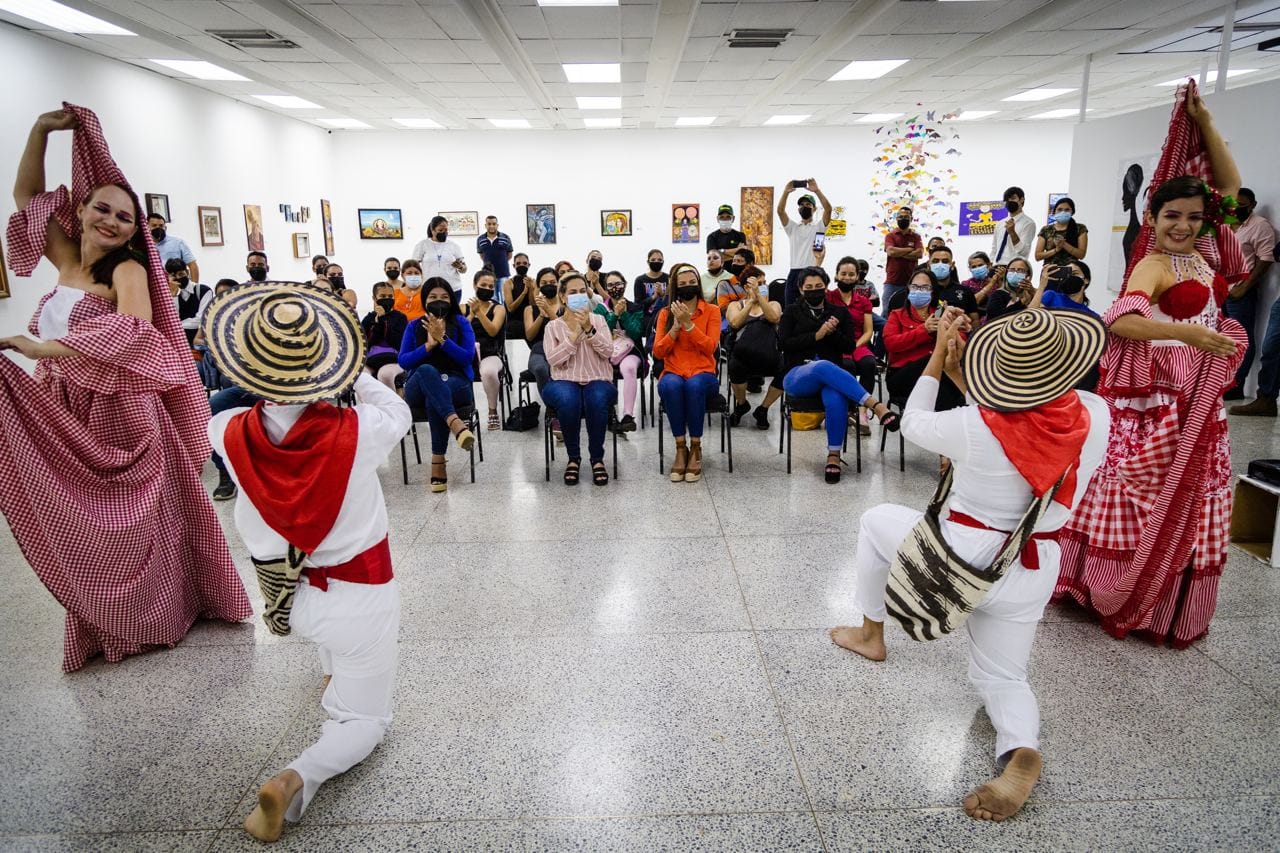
[[686, 401], [426, 389], [886, 296], [229, 398], [570, 401], [1269, 372], [1245, 312], [835, 386]]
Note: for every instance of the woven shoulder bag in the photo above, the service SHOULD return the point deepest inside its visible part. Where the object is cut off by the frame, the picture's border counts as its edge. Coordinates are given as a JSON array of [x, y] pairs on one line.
[[278, 581]]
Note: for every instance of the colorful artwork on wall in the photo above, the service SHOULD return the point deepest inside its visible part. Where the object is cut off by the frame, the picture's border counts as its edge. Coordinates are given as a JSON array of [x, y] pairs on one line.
[[253, 228], [380, 223], [158, 205], [838, 228], [462, 223], [979, 218], [210, 225], [540, 222], [326, 221], [757, 222], [615, 223], [684, 224]]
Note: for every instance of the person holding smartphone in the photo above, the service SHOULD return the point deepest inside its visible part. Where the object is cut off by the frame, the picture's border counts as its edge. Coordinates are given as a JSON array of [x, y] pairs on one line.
[[1014, 289], [802, 234]]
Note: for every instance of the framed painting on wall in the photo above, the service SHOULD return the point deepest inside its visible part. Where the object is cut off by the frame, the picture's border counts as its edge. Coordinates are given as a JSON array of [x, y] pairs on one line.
[[540, 222], [979, 218], [158, 205], [380, 223], [462, 223], [210, 219], [684, 223], [326, 222], [253, 228], [301, 244], [757, 222], [615, 223]]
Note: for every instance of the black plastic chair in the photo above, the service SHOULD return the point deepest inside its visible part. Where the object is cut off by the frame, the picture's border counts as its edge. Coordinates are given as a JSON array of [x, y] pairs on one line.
[[641, 375], [812, 405], [897, 405], [467, 412], [549, 447]]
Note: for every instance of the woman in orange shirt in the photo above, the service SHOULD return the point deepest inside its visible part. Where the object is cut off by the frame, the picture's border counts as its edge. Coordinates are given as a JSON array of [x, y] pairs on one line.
[[687, 334], [409, 297]]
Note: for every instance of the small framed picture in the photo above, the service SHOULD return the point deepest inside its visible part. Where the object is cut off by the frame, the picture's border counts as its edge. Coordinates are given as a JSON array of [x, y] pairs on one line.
[[462, 223], [326, 222], [158, 205], [253, 228], [380, 223], [210, 219], [615, 223], [301, 244]]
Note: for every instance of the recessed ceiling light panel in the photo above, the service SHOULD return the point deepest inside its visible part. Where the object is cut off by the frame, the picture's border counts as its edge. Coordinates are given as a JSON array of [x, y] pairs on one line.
[[199, 69], [867, 69], [289, 102], [695, 121], [593, 72], [62, 17], [1043, 93], [510, 123], [785, 119]]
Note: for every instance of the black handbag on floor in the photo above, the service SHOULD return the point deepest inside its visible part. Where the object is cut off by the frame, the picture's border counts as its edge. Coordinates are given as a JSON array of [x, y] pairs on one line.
[[524, 417], [1266, 470]]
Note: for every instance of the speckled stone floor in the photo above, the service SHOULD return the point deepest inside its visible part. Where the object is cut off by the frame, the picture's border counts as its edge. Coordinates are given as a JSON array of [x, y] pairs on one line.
[[645, 667]]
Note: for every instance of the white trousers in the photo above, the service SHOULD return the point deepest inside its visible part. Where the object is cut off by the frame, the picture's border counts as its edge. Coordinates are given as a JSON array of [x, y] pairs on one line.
[[1001, 629], [357, 628]]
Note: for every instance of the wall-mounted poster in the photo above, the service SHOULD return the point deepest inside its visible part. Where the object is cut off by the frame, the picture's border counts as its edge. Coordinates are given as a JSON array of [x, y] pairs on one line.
[[540, 221], [380, 223], [253, 228], [301, 244], [1133, 183], [326, 221], [210, 225], [158, 205], [838, 228], [757, 222], [979, 218], [4, 276], [615, 223], [462, 223], [1054, 198], [684, 224]]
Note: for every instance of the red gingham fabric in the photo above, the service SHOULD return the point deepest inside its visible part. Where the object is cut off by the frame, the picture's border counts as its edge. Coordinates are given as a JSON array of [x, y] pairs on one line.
[[100, 455]]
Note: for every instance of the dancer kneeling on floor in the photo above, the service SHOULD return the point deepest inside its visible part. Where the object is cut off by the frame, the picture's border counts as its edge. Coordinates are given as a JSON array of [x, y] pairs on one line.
[[311, 513], [687, 333], [578, 346], [1030, 441], [437, 352]]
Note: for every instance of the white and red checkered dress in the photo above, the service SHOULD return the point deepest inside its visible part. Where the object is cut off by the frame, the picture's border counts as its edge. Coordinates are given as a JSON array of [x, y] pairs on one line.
[[100, 456]]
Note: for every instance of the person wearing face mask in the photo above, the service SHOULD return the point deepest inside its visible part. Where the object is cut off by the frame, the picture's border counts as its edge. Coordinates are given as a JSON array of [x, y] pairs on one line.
[[687, 334], [980, 281], [256, 266], [1257, 239], [625, 322], [753, 323], [1012, 289], [171, 247], [860, 361], [488, 322], [319, 263], [733, 288], [1064, 288], [440, 257], [391, 269], [495, 250], [801, 234], [517, 294], [725, 239], [952, 292], [192, 297], [909, 337], [713, 275], [1064, 240], [383, 334], [338, 281], [579, 347], [1016, 237], [437, 352], [904, 248], [409, 291], [650, 287], [595, 279], [546, 307]]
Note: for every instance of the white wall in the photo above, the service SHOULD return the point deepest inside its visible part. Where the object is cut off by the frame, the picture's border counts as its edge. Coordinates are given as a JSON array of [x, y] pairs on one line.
[[168, 137]]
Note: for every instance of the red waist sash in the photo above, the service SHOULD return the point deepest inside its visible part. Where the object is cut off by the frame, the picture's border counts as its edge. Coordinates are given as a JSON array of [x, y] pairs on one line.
[[1030, 555], [372, 566]]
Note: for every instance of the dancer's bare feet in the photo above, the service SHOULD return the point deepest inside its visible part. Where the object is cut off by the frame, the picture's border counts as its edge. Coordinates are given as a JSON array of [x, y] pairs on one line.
[[866, 639], [327, 679], [1001, 798], [266, 822]]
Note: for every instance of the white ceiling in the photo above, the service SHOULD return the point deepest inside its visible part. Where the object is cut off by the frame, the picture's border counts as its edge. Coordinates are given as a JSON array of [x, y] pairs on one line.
[[462, 62]]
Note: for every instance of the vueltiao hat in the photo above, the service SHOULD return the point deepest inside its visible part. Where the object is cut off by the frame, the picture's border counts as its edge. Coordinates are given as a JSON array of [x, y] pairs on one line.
[[285, 341], [1031, 357]]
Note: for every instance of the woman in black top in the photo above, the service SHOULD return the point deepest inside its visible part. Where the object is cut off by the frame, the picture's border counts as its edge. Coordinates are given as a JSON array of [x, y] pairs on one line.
[[650, 289], [383, 333], [488, 321], [753, 321], [1014, 289], [518, 292], [545, 306]]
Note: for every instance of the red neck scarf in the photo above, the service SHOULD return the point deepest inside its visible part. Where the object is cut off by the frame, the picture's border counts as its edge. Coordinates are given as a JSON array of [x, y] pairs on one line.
[[1042, 442], [299, 484]]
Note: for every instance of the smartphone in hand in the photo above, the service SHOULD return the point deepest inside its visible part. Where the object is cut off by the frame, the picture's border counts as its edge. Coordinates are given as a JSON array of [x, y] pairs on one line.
[[819, 241], [802, 184]]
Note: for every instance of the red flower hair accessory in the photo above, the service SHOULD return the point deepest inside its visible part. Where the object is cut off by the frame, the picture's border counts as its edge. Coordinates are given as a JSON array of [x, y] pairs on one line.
[[1218, 209]]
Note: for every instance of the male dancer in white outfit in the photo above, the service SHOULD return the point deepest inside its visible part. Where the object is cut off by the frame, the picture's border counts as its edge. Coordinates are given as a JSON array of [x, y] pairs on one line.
[[290, 469], [988, 498]]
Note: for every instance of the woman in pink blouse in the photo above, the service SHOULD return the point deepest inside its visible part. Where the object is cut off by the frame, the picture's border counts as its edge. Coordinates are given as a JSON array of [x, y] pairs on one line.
[[578, 347]]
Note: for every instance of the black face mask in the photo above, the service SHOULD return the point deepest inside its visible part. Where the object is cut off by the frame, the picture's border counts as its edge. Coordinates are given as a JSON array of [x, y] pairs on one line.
[[904, 223], [1072, 285], [1012, 206], [319, 270], [618, 292], [806, 212], [442, 236], [594, 264], [387, 303], [339, 282], [392, 275], [183, 280], [685, 292], [736, 269], [438, 308], [484, 295], [814, 297], [655, 266], [522, 270], [258, 273], [157, 234], [846, 286], [549, 290]]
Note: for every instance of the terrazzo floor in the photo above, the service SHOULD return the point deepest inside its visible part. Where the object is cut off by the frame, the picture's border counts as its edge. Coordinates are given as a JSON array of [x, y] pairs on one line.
[[645, 667]]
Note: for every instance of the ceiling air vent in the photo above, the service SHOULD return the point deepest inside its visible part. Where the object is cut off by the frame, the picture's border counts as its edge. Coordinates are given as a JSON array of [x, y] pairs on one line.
[[258, 39], [758, 37]]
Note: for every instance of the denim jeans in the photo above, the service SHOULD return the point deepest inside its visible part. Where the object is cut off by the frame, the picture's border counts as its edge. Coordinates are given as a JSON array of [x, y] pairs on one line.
[[1269, 352], [427, 389], [686, 401], [571, 400], [1245, 312], [835, 386], [229, 398], [539, 366]]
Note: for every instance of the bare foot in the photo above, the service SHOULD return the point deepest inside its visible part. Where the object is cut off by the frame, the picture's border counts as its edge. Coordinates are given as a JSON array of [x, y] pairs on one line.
[[327, 679], [266, 822], [867, 639], [1001, 798]]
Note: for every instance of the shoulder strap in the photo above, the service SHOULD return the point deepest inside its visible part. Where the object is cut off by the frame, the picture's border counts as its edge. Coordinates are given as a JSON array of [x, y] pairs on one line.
[[941, 493], [1026, 527]]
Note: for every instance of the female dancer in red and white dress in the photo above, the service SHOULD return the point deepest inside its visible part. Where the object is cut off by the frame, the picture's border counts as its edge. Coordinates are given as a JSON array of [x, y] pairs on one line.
[[1147, 544], [100, 451]]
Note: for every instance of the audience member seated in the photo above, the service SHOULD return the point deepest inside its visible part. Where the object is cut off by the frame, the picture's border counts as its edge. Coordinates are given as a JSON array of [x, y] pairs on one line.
[[1012, 289], [437, 354], [626, 325], [1064, 287], [980, 281], [210, 376], [545, 306], [383, 334], [650, 290], [715, 273], [488, 322], [860, 361], [733, 288], [687, 334], [909, 337], [517, 294], [952, 292], [409, 294], [579, 348], [191, 296], [753, 321]]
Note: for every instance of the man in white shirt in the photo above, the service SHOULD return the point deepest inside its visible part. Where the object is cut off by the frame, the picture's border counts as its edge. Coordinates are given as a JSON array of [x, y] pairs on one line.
[[1017, 237], [440, 256], [803, 233], [192, 296], [171, 247]]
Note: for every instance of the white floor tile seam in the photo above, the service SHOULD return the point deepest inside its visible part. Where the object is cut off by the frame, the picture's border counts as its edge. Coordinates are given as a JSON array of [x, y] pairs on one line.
[[1235, 676]]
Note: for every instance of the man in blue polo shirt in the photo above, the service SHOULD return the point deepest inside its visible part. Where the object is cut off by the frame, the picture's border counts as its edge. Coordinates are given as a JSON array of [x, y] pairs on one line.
[[495, 251], [170, 246]]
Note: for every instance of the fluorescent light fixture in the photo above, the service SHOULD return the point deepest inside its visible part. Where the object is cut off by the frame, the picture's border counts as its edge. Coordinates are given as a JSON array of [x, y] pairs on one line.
[[867, 69], [695, 121], [870, 117], [1044, 93], [593, 72], [1211, 77], [577, 2], [971, 115], [419, 123], [61, 17], [199, 69], [615, 121], [344, 123], [785, 119], [289, 102], [610, 102], [510, 123], [1065, 112]]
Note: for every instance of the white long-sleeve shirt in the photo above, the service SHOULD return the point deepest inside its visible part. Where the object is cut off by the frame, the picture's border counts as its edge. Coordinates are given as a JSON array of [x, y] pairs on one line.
[[362, 520], [1025, 226]]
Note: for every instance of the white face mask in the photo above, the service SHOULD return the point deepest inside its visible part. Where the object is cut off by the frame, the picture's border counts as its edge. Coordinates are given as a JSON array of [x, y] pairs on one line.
[[725, 224], [413, 281]]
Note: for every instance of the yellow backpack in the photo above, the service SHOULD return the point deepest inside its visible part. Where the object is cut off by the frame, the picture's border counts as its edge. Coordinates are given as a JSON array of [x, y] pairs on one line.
[[806, 420]]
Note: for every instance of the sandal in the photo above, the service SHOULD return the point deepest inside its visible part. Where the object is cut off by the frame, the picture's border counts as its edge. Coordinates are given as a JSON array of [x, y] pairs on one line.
[[681, 461], [439, 483], [693, 470], [495, 423], [571, 472], [599, 474], [890, 420], [833, 469]]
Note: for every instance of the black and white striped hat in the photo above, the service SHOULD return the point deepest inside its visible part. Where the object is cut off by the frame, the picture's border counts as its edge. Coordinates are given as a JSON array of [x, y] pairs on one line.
[[1031, 357]]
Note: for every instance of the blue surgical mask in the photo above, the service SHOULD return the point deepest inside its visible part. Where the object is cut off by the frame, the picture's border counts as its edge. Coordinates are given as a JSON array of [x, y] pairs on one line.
[[1062, 218], [919, 298], [1015, 277], [941, 272], [578, 301], [979, 273]]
